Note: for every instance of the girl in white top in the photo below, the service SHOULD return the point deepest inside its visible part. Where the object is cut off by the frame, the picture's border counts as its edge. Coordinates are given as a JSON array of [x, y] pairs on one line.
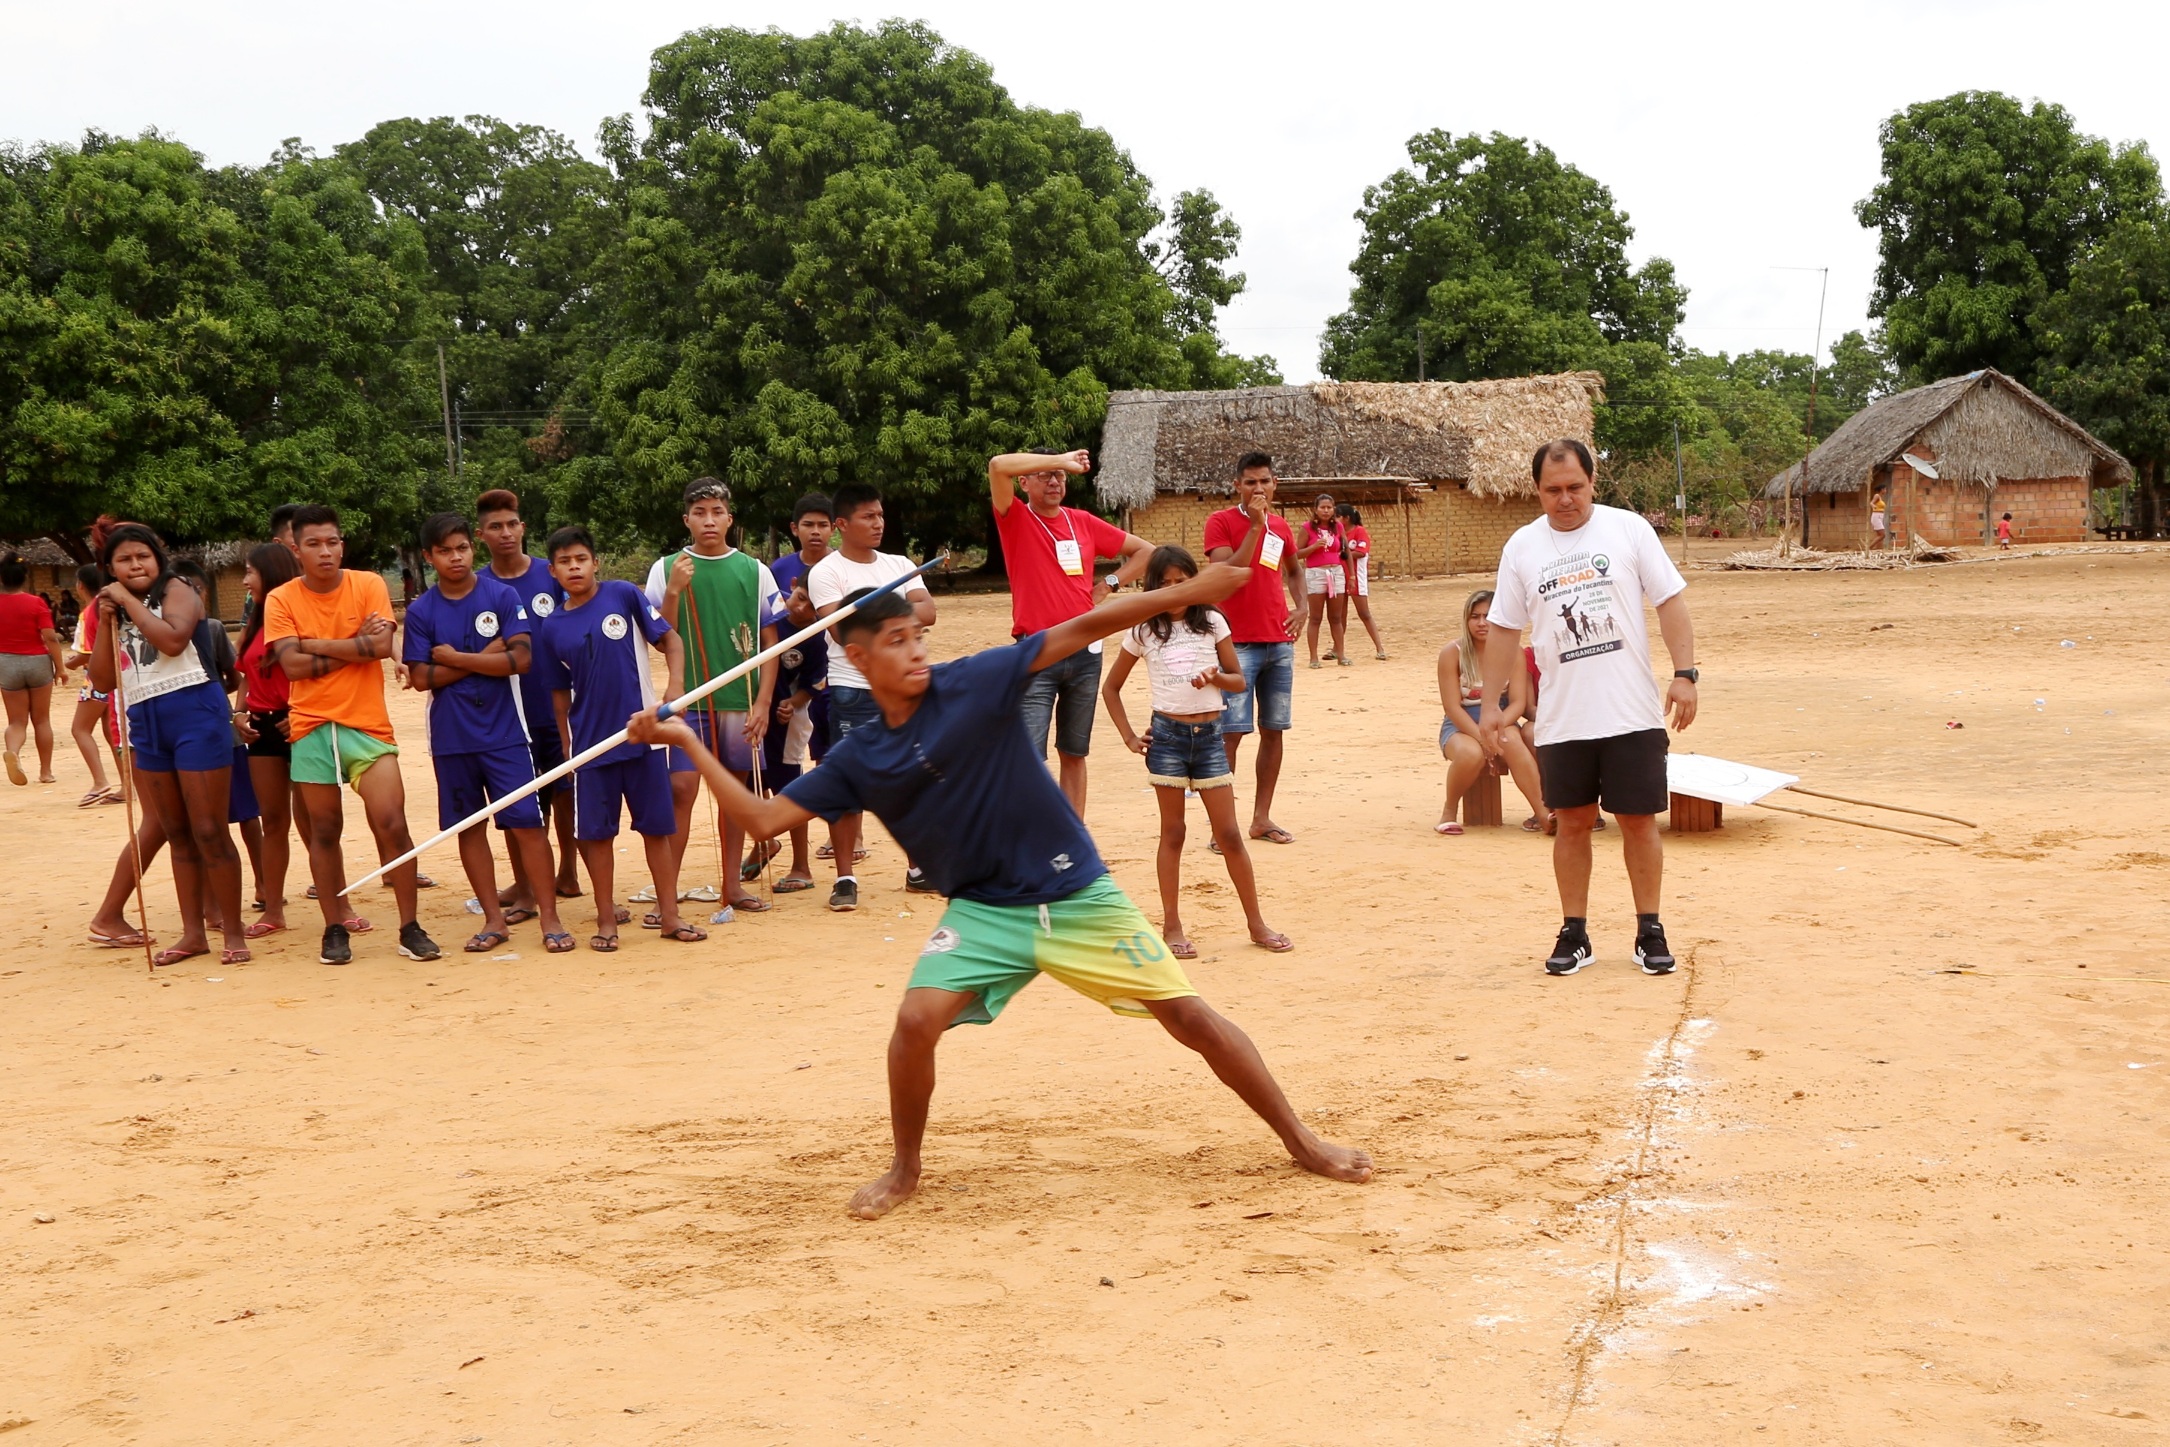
[[1189, 664]]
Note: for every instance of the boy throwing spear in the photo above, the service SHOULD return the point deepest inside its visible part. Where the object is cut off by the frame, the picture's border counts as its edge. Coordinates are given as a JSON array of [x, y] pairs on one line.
[[947, 767]]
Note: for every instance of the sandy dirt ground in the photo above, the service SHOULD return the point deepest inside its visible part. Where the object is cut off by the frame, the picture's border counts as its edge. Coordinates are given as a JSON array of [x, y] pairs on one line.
[[1818, 1186]]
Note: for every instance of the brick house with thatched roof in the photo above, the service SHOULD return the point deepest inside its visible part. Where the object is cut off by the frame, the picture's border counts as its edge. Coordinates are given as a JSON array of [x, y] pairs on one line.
[[1440, 470], [1950, 458]]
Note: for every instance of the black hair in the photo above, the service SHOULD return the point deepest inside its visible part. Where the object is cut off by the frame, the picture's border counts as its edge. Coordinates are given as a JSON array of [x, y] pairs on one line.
[[497, 499], [274, 564], [1560, 451], [703, 489], [2007, 517], [1348, 514], [443, 525], [89, 577], [192, 570], [872, 613], [137, 533], [14, 573], [1198, 617], [314, 515], [851, 497], [570, 536], [282, 516], [1251, 459], [812, 502]]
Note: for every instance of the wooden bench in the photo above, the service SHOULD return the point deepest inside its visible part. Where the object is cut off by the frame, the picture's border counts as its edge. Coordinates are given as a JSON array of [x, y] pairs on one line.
[[2122, 532], [1481, 804], [1696, 816]]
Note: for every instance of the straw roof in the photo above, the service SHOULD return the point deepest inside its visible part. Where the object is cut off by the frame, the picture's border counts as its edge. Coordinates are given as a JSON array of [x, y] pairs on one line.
[[1980, 428], [1480, 434]]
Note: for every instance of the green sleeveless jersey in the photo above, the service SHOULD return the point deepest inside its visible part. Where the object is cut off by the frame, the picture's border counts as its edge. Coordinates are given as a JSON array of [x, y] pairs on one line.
[[719, 620]]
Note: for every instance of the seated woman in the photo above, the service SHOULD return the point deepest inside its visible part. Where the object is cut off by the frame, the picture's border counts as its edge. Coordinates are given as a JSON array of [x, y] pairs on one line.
[[1461, 695]]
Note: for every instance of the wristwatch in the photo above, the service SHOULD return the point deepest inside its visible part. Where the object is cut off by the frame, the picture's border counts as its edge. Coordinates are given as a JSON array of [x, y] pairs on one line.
[[1693, 675], [1115, 582]]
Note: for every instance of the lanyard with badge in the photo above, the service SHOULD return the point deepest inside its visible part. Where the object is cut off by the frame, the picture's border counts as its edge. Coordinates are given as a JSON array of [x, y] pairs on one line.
[[1068, 555], [1269, 549]]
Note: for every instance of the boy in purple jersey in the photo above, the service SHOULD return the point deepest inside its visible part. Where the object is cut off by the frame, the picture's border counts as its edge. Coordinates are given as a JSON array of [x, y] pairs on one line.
[[799, 720], [467, 639], [503, 534], [596, 651]]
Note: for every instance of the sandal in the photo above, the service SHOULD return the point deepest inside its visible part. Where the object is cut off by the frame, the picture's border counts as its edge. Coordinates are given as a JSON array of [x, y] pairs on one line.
[[261, 928], [763, 852], [16, 775], [686, 934], [519, 916], [1276, 835], [1316, 664], [622, 915], [560, 943], [1344, 663], [750, 904], [793, 884], [1447, 826], [1182, 949], [1275, 942], [653, 919], [1533, 825], [233, 957], [603, 944], [486, 940], [118, 942], [357, 925], [173, 955], [95, 796]]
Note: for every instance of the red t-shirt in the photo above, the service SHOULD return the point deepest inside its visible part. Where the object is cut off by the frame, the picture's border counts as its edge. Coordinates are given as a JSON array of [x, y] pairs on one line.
[[23, 616], [1359, 547], [1041, 593], [1259, 613], [263, 681]]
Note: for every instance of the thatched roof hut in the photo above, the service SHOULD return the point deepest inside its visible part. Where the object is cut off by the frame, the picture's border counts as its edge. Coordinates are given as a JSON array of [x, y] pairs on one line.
[[1982, 428], [1480, 434]]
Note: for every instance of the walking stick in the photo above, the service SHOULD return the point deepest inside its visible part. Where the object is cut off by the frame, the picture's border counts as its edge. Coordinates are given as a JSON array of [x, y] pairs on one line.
[[128, 801], [675, 706]]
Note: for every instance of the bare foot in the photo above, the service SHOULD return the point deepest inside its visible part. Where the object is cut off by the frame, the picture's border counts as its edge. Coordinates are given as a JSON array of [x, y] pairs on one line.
[[1338, 1163], [878, 1197]]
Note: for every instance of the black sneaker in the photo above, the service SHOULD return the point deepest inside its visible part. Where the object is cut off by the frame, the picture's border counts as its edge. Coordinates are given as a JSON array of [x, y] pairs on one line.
[[845, 897], [1570, 952], [336, 950], [916, 883], [416, 945], [1651, 951]]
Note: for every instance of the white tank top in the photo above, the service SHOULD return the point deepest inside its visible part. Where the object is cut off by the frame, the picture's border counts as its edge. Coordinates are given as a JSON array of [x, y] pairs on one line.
[[146, 673]]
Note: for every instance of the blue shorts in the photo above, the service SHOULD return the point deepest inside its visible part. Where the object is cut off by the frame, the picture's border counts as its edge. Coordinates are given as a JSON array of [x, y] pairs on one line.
[[642, 784], [1447, 730], [850, 708], [190, 729], [547, 752], [241, 804], [1269, 687], [466, 782], [1186, 755], [1064, 694], [724, 733]]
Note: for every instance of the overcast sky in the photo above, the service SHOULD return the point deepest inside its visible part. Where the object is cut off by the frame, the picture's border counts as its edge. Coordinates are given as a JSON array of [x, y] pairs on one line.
[[1737, 138]]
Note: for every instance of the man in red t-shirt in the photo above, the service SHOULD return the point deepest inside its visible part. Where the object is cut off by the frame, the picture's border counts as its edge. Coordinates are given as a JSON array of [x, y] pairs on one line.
[[1048, 550], [1262, 622]]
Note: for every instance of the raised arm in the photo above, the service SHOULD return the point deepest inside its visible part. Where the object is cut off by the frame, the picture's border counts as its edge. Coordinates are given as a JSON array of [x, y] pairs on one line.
[[1003, 472], [1215, 583]]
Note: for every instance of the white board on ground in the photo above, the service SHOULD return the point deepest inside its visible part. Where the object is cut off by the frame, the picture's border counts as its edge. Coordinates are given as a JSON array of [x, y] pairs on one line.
[[1705, 776]]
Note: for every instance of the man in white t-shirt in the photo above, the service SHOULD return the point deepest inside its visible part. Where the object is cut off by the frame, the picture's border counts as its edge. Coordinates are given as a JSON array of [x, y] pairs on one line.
[[1577, 578], [858, 563]]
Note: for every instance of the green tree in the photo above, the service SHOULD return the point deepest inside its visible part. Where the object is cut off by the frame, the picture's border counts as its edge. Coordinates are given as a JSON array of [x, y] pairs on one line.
[[2105, 343], [853, 255], [1983, 209]]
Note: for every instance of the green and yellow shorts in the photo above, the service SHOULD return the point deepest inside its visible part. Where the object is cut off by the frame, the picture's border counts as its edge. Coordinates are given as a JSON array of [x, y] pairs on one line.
[[333, 754], [1094, 941]]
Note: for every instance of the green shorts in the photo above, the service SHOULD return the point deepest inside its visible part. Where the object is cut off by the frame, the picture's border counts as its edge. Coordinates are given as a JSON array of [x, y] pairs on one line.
[[1094, 941], [329, 754]]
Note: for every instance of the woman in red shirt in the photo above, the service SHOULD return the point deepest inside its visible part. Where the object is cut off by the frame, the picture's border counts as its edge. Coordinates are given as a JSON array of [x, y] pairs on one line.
[[1324, 583], [29, 664], [260, 723], [1356, 567]]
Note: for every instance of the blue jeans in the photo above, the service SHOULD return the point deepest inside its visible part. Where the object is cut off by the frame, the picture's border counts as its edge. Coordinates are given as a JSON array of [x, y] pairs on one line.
[[1186, 755], [1064, 694], [850, 708], [1269, 687]]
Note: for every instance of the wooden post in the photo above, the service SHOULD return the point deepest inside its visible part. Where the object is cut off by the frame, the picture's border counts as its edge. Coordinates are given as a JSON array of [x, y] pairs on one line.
[[1481, 804], [1408, 534], [1696, 816]]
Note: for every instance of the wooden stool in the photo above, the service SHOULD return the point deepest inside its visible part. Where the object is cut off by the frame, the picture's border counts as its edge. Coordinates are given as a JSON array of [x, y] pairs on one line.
[[1481, 804], [1696, 816]]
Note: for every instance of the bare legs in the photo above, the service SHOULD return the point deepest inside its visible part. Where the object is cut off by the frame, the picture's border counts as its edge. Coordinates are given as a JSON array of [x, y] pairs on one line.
[[1269, 778], [84, 730], [384, 806], [1317, 602], [1640, 843], [1337, 621], [1362, 605], [925, 1014], [1465, 761], [30, 711], [274, 796], [191, 809], [602, 879], [1221, 814], [522, 894]]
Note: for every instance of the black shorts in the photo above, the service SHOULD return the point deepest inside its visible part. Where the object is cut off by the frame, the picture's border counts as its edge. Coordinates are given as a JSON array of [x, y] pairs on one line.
[[269, 742], [1625, 772], [548, 751]]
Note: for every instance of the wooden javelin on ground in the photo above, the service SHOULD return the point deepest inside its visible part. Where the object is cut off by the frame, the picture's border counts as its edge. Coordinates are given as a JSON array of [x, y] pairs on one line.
[[676, 705], [1721, 781]]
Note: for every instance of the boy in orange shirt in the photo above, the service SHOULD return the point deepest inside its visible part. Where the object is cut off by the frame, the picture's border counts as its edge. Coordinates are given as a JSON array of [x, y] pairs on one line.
[[330, 629]]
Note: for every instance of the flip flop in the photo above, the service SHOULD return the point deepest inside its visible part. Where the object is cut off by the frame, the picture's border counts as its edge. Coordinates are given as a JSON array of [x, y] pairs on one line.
[[603, 944], [233, 957], [685, 934], [261, 928], [357, 925], [173, 955], [653, 919], [519, 916], [15, 769], [622, 915], [1275, 943], [1451, 826], [564, 893], [750, 904], [95, 796], [1276, 835], [486, 940], [763, 852], [1533, 825], [700, 894], [645, 895], [117, 942], [560, 943], [793, 884], [1182, 949]]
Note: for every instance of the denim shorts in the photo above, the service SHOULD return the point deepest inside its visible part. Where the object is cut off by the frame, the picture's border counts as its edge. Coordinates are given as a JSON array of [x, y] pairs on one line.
[[1064, 694], [1182, 755], [1446, 725], [1269, 686], [850, 708]]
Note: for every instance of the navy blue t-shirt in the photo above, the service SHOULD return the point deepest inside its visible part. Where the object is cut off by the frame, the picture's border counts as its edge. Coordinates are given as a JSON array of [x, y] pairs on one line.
[[599, 651], [478, 713], [541, 596], [962, 788], [789, 571]]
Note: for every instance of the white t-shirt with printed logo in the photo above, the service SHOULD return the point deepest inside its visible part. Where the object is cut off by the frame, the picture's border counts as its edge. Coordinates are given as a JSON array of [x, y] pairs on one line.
[[1581, 595]]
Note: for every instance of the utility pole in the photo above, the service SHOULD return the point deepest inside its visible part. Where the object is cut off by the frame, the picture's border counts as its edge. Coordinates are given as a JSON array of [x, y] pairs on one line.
[[1420, 351], [444, 408], [1680, 493], [459, 444], [1815, 356]]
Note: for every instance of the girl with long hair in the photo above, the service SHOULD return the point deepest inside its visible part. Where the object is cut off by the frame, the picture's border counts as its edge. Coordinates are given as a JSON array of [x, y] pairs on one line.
[[260, 723], [179, 729], [1190, 663], [1356, 570], [1324, 582], [1461, 696]]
